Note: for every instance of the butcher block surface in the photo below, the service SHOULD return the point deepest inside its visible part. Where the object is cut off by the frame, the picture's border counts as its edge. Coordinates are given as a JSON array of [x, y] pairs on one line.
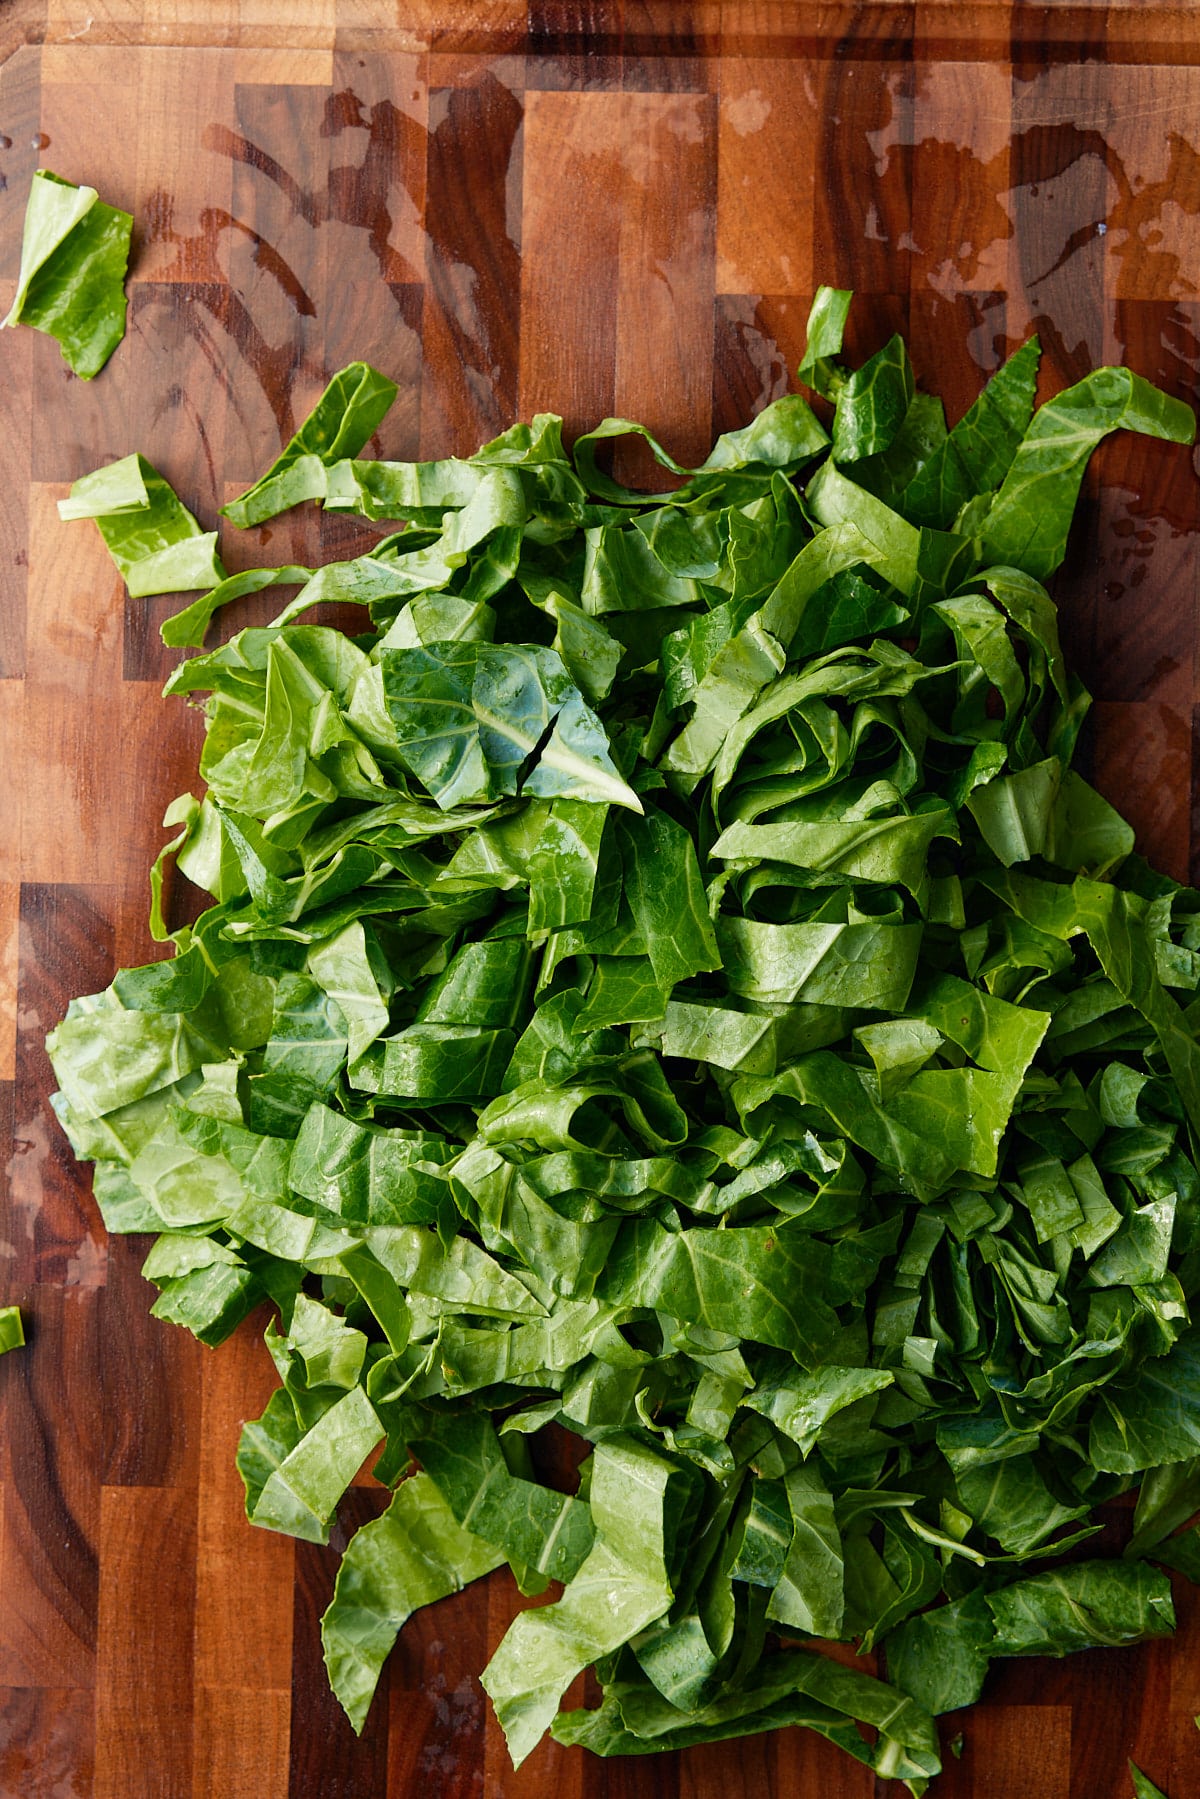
[[590, 207]]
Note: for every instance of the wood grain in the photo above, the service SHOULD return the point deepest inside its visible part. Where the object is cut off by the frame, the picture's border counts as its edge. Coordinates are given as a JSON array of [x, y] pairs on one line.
[[579, 205]]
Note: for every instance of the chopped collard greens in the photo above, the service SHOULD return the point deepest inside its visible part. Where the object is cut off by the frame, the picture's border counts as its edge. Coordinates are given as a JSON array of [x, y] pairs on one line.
[[71, 283], [666, 979]]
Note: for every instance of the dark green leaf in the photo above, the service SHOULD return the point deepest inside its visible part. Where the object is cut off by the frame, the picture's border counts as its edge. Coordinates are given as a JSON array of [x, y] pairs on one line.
[[338, 426]]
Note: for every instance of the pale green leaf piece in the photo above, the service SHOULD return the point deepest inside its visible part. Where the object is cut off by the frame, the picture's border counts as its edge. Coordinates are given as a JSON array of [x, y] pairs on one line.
[[340, 423], [74, 254], [151, 536], [1027, 522], [414, 1554], [620, 1588], [301, 1491]]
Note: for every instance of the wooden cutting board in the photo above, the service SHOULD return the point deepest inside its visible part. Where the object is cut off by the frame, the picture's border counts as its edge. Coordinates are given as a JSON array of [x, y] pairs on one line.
[[587, 206]]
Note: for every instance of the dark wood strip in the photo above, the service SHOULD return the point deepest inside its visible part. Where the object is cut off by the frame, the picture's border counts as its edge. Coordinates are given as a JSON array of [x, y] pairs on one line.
[[862, 222], [436, 1706], [472, 312], [1126, 555], [11, 1288], [380, 323], [873, 319], [377, 123], [1060, 180], [959, 127], [1069, 33], [758, 341], [1183, 1770], [46, 1741], [663, 46], [325, 1756], [149, 1381], [957, 344], [80, 426], [1128, 590], [65, 949], [12, 750], [782, 1762], [574, 44], [1141, 762], [177, 416], [143, 1673], [1003, 1744], [50, 1463], [1129, 1689], [664, 1776], [1168, 33], [276, 267], [549, 1768], [799, 1761]]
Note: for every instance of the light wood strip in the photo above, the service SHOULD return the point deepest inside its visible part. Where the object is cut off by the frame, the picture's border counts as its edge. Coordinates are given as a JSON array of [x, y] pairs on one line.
[[291, 62], [184, 182], [236, 1729], [9, 926], [569, 272], [243, 1576], [308, 24], [72, 769], [147, 1596], [768, 162], [665, 282]]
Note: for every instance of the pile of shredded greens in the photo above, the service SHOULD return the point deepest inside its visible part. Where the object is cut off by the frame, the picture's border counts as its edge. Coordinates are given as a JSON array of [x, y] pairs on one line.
[[665, 979]]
